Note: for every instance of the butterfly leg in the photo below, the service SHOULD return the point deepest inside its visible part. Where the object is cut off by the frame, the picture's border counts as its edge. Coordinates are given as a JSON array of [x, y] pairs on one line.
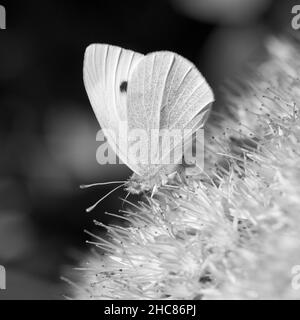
[[154, 190]]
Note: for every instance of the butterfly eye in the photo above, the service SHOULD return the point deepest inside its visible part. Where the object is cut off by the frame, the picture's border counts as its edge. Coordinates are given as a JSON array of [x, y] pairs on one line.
[[123, 86]]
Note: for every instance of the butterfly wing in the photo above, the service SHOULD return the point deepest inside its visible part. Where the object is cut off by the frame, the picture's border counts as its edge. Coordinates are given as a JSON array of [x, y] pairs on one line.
[[186, 95], [166, 92], [145, 97], [107, 70]]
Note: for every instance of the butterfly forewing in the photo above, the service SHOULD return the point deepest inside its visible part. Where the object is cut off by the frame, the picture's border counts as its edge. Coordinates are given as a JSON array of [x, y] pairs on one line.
[[107, 70]]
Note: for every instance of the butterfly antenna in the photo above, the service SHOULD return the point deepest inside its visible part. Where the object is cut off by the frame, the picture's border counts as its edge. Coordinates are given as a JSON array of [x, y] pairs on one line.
[[109, 193], [85, 186]]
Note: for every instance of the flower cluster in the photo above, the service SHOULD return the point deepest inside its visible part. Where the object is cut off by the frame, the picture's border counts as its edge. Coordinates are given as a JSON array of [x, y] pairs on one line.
[[234, 231]]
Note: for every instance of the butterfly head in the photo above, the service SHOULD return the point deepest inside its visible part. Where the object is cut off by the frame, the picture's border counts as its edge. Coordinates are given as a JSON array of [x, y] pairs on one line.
[[138, 184]]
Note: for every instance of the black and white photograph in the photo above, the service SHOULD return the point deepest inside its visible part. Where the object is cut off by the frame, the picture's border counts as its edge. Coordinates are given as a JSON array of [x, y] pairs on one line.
[[150, 151]]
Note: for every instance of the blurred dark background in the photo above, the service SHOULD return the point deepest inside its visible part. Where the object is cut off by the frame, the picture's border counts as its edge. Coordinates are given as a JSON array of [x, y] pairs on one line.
[[48, 129]]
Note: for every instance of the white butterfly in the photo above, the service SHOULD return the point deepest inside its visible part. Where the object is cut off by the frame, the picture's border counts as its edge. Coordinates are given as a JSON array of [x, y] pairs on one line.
[[157, 92]]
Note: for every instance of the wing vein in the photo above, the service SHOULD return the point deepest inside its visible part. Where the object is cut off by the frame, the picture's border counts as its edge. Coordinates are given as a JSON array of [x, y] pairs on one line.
[[172, 80], [105, 64], [165, 81], [178, 98], [190, 96], [115, 79]]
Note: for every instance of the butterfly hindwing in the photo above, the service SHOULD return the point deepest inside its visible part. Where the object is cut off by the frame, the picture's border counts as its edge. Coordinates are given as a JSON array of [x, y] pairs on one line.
[[186, 95], [145, 97], [167, 92]]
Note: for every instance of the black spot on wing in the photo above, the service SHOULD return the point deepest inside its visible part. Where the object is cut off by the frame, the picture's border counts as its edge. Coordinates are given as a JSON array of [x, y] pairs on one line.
[[123, 86]]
